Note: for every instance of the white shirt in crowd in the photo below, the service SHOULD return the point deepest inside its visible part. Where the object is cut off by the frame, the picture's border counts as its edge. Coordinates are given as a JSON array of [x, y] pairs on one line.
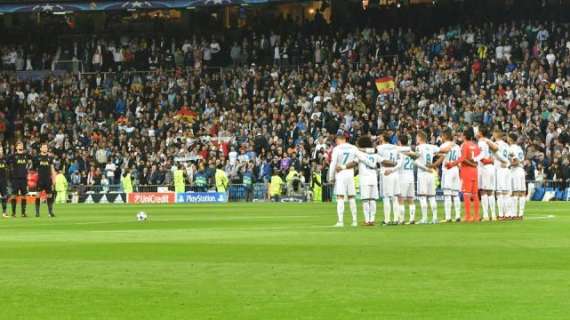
[[233, 157], [551, 58], [110, 170], [32, 97]]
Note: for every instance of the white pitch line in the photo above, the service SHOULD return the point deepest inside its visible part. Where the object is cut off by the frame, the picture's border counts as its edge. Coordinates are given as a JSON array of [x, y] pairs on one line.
[[550, 216]]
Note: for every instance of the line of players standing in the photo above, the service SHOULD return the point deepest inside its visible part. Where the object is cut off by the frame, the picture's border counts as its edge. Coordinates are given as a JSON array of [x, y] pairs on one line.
[[496, 163], [15, 167]]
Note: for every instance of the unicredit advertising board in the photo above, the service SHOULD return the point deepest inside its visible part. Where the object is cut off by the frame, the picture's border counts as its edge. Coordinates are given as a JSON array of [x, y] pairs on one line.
[[151, 197]]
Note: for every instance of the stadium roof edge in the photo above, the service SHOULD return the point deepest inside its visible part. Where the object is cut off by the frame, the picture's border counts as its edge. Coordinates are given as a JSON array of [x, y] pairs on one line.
[[116, 5]]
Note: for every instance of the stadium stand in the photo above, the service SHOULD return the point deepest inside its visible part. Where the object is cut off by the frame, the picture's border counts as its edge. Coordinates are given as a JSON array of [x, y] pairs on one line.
[[266, 101]]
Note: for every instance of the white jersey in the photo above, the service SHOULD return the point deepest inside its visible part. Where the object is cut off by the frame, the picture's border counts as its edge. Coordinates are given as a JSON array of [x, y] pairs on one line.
[[518, 175], [501, 154], [516, 152], [426, 154], [390, 183], [452, 155], [502, 173], [388, 152], [450, 181], [406, 168], [485, 173], [406, 179], [485, 152], [426, 179], [342, 154], [344, 180], [368, 167]]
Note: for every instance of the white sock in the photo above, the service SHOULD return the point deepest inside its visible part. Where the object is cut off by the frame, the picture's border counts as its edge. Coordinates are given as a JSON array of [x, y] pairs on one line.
[[372, 211], [501, 205], [387, 210], [402, 212], [447, 205], [340, 210], [522, 201], [507, 206], [433, 205], [352, 203], [492, 205], [485, 205], [412, 211], [365, 210], [396, 207], [513, 206], [424, 207], [457, 203]]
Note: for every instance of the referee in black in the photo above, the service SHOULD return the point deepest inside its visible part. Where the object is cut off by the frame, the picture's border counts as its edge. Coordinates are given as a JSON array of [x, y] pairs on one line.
[[43, 164], [20, 163], [3, 182]]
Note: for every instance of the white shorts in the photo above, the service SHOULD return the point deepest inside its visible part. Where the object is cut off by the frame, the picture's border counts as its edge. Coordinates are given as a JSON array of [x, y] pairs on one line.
[[390, 186], [450, 181], [408, 190], [487, 178], [518, 180], [503, 180], [369, 192], [426, 184], [344, 185]]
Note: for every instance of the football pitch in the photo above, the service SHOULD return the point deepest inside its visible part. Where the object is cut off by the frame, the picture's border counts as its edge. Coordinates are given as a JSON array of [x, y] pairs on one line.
[[280, 261]]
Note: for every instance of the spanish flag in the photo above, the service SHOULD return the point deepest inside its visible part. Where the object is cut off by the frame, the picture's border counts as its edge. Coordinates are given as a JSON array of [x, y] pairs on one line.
[[186, 115], [385, 85]]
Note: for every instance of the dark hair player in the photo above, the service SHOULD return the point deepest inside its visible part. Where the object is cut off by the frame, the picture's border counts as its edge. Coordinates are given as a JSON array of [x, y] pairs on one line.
[[19, 162], [43, 164], [3, 182]]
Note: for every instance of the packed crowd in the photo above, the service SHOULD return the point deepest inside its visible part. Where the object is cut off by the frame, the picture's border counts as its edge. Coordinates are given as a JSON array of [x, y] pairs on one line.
[[284, 97]]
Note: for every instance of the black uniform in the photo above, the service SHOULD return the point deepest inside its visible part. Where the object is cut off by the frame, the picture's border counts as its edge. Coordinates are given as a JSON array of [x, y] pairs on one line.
[[19, 163], [3, 177], [43, 165]]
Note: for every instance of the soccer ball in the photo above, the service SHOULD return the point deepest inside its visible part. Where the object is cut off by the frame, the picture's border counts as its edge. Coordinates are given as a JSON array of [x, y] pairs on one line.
[[142, 216]]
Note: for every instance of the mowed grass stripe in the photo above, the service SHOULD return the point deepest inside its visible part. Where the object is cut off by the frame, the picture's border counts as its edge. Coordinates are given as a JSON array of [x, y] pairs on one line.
[[279, 261]]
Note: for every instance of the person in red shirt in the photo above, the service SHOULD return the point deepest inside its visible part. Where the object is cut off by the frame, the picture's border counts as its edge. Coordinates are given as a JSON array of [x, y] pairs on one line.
[[468, 173]]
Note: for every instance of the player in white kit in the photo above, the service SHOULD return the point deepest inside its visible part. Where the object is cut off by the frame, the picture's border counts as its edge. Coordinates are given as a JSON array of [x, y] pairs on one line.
[[426, 179], [368, 164], [450, 180], [500, 151], [518, 183], [342, 154], [404, 171], [486, 171], [390, 187]]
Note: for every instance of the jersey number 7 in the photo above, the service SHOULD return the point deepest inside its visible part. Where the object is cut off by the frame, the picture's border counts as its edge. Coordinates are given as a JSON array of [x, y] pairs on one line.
[[345, 157]]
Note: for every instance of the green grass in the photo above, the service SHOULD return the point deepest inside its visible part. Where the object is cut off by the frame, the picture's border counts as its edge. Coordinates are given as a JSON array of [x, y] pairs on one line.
[[280, 261]]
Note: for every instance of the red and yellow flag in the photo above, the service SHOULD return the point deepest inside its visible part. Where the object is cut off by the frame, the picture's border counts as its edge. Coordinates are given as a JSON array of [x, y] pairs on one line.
[[385, 85], [186, 115]]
